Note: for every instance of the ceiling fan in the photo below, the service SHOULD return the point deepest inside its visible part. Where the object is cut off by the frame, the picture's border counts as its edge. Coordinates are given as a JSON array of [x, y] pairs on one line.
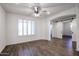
[[38, 10]]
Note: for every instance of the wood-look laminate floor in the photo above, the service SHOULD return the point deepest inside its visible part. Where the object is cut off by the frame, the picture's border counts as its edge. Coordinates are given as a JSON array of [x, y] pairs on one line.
[[56, 47]]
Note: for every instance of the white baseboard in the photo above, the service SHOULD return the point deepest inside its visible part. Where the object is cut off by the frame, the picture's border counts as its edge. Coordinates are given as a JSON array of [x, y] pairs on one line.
[[2, 49], [25, 41]]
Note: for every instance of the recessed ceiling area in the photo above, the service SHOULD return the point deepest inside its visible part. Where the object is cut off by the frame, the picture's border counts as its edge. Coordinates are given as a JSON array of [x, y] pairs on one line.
[[47, 9]]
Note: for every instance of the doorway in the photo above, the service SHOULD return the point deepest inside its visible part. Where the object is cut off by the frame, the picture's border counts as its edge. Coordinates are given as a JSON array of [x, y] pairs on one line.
[[64, 28], [67, 33]]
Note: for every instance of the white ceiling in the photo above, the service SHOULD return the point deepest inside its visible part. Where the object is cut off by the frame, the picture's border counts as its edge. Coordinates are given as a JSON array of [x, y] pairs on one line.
[[25, 8]]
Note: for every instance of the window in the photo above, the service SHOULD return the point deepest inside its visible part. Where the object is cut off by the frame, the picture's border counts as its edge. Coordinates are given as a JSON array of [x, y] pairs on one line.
[[26, 27]]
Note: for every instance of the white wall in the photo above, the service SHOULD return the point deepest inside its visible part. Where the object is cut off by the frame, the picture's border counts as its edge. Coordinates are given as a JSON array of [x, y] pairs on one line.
[[2, 29], [12, 29], [77, 22], [74, 30]]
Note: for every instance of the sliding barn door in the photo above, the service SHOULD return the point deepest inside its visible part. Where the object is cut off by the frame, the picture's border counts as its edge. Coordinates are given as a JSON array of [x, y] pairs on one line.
[[58, 29]]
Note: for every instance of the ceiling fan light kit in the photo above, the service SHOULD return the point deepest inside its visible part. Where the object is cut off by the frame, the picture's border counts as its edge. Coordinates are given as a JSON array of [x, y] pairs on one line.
[[36, 10]]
